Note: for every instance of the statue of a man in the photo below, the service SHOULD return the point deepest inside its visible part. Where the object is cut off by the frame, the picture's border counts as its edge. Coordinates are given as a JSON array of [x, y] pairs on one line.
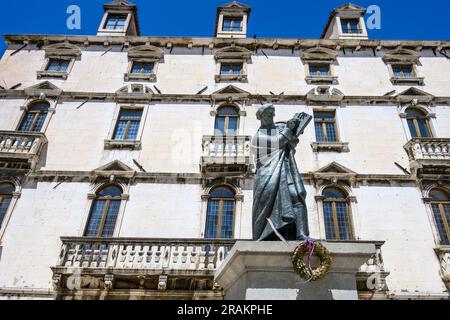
[[279, 193]]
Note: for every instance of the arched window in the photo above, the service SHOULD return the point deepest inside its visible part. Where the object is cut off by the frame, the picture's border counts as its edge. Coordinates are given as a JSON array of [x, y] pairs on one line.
[[6, 193], [418, 124], [104, 212], [220, 214], [227, 121], [35, 117], [440, 205], [336, 210]]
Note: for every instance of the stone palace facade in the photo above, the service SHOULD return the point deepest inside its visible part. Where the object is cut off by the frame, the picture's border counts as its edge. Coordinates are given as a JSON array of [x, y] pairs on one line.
[[125, 162]]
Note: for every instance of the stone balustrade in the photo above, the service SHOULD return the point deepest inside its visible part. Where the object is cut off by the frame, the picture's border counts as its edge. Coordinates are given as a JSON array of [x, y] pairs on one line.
[[20, 150], [443, 253], [226, 155], [178, 255], [428, 149]]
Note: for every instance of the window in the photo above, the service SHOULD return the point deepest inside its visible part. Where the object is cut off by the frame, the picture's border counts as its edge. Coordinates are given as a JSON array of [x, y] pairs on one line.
[[58, 65], [230, 69], [142, 67], [325, 126], [220, 214], [227, 121], [440, 205], [336, 211], [128, 125], [319, 70], [6, 193], [350, 26], [232, 24], [104, 212], [35, 117], [115, 22], [403, 71], [418, 124]]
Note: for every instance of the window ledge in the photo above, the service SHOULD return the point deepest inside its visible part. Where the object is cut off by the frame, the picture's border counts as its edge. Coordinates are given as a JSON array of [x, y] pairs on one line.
[[240, 77], [330, 146], [52, 74], [321, 80], [140, 76], [408, 81], [123, 144]]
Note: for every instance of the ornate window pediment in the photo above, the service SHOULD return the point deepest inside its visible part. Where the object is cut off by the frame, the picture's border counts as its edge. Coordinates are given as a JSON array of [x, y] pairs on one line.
[[62, 50], [319, 54], [143, 63], [232, 64], [402, 66], [42, 90]]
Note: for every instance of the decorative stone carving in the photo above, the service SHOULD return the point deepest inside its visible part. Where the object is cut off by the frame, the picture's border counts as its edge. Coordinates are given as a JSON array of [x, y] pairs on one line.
[[162, 283]]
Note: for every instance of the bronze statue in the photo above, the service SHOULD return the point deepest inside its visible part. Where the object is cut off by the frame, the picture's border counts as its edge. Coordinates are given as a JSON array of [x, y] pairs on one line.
[[279, 193]]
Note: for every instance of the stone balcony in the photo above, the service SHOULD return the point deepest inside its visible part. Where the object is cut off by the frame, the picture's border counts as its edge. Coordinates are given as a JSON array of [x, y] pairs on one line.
[[430, 156], [20, 150], [226, 156], [138, 268], [443, 253]]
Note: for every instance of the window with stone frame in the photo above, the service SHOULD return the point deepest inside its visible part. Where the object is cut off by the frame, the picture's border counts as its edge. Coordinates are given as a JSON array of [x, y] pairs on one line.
[[59, 60], [403, 70], [104, 212], [220, 214], [115, 22], [325, 126], [402, 64], [232, 24], [418, 124], [143, 62], [351, 26], [319, 69], [440, 206], [6, 194], [337, 214], [34, 118], [127, 126], [58, 65], [232, 63], [231, 69], [227, 121], [143, 67]]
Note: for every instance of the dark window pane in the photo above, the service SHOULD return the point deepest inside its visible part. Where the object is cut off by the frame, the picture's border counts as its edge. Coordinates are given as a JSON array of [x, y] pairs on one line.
[[329, 223], [440, 223], [4, 205], [95, 218], [439, 195], [227, 111], [222, 192], [232, 25], [219, 127], [333, 193], [230, 69], [319, 133], [127, 126], [424, 133], [343, 223], [142, 67], [331, 133], [7, 189], [111, 217], [115, 22], [412, 129], [212, 219], [111, 191]]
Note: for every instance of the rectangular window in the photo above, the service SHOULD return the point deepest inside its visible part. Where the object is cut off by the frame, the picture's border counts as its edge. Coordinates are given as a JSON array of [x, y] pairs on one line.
[[115, 22], [403, 71], [142, 67], [232, 24], [319, 70], [128, 125], [230, 69], [350, 26], [58, 65], [325, 126]]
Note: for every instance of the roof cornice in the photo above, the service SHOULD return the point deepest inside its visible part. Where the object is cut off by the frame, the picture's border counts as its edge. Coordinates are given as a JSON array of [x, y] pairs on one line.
[[207, 42]]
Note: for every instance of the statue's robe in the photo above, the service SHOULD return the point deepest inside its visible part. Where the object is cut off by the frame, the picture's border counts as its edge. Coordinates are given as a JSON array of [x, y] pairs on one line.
[[279, 193]]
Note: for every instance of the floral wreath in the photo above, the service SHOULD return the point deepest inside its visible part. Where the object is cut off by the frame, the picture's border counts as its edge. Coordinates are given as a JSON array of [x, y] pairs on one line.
[[305, 270]]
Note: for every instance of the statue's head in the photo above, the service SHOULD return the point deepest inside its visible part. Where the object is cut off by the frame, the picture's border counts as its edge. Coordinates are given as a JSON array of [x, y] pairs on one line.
[[266, 113]]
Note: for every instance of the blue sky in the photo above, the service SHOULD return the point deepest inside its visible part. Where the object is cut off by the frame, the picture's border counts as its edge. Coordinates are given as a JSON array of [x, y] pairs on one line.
[[400, 19]]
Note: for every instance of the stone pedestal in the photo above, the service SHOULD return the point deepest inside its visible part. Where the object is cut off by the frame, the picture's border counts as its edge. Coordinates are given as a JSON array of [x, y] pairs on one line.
[[264, 271]]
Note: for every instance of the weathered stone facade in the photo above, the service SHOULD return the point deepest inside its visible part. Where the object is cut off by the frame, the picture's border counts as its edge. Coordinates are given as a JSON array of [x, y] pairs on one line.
[[166, 173]]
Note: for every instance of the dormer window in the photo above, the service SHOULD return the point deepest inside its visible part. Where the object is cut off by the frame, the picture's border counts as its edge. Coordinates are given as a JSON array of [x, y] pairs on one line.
[[115, 22], [232, 20], [232, 24], [350, 26]]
